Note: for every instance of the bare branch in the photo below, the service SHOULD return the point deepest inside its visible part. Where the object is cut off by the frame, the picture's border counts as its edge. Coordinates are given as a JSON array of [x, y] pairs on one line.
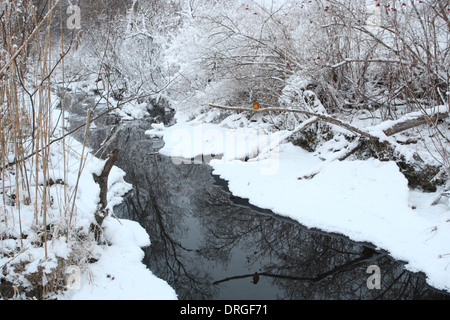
[[322, 117]]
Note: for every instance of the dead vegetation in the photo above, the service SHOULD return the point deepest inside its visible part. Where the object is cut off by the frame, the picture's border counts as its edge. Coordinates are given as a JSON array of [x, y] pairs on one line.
[[35, 206]]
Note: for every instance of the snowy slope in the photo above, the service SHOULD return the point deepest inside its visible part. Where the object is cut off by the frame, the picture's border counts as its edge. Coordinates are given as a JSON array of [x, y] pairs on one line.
[[118, 273]]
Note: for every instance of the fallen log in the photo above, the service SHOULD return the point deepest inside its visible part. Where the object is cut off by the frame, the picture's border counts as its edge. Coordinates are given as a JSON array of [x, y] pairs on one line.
[[415, 122], [322, 117], [383, 148], [397, 127]]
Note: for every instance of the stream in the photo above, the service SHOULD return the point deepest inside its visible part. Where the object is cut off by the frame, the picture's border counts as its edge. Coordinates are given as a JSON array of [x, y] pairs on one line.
[[209, 245]]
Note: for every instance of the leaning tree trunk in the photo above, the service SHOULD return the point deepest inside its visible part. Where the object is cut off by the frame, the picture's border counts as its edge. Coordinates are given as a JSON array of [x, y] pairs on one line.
[[102, 180]]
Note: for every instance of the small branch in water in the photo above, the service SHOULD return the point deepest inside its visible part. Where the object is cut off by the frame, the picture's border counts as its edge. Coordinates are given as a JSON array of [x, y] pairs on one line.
[[265, 274]]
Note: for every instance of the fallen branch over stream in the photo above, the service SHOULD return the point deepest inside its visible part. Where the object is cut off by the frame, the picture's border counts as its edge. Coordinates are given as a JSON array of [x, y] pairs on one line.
[[409, 123], [322, 117]]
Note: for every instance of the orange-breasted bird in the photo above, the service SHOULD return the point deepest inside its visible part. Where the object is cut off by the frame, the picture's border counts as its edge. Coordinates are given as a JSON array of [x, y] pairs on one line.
[[255, 104]]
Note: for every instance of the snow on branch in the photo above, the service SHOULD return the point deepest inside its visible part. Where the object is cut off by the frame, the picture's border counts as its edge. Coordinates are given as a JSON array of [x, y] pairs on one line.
[[388, 128], [322, 117], [412, 122]]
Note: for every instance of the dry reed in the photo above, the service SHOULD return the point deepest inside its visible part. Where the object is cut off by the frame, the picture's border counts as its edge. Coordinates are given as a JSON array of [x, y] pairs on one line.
[[27, 129]]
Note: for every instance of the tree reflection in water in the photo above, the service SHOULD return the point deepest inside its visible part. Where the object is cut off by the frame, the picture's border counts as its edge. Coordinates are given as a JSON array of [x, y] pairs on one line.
[[209, 245]]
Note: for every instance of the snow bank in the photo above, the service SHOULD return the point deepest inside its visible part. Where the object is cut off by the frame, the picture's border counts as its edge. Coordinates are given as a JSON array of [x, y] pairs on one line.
[[189, 140], [368, 201], [119, 273], [115, 269]]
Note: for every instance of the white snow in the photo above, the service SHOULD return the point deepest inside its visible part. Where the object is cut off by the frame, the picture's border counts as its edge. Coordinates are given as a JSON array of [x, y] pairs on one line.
[[119, 274], [368, 201]]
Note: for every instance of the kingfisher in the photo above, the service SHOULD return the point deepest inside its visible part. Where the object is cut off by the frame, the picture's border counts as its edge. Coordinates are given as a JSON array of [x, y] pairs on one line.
[[255, 104]]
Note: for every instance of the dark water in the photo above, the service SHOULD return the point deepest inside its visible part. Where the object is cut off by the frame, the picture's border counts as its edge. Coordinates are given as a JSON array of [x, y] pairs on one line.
[[208, 244]]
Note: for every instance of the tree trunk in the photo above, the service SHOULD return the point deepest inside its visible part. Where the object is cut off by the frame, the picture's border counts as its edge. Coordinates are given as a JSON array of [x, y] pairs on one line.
[[397, 128], [415, 122], [102, 181]]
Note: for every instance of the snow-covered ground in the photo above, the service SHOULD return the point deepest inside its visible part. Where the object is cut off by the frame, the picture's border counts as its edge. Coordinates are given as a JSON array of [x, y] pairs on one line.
[[112, 269], [367, 201], [118, 273]]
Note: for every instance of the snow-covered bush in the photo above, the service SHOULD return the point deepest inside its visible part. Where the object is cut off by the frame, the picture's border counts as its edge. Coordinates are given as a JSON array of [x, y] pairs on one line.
[[122, 44], [234, 51]]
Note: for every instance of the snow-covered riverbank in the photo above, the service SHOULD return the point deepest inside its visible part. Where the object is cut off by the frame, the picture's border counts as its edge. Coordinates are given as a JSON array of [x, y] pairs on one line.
[[68, 257], [118, 272], [368, 201]]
